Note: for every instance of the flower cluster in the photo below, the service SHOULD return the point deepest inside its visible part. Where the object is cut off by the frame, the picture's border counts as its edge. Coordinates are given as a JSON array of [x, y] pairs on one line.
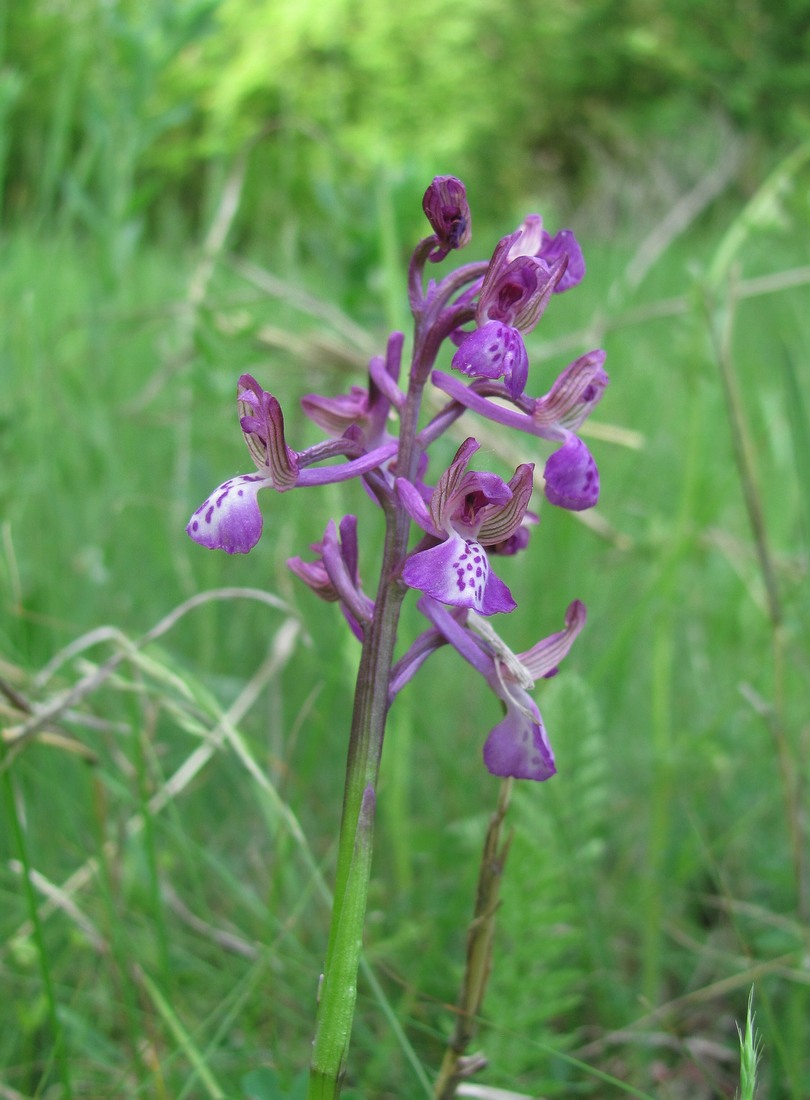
[[466, 516]]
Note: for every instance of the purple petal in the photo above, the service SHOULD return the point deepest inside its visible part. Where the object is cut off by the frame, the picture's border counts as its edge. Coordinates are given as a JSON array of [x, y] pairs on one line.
[[314, 575], [572, 479], [230, 519], [457, 573], [262, 423], [564, 244], [495, 351], [444, 495], [340, 574], [543, 659], [518, 292], [336, 414], [518, 745], [416, 508], [530, 239], [575, 393], [503, 521], [497, 597]]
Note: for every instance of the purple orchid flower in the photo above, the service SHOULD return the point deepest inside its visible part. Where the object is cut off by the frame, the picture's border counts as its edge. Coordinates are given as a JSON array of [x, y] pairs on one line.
[[516, 289], [518, 746], [334, 574], [535, 241], [468, 510], [571, 476], [230, 519], [366, 409]]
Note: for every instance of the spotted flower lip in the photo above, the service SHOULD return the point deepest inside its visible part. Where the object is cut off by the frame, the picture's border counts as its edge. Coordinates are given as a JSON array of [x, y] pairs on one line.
[[495, 350], [467, 511], [518, 746]]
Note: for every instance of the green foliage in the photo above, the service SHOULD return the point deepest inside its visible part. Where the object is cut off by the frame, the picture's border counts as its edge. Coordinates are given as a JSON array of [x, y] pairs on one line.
[[120, 116]]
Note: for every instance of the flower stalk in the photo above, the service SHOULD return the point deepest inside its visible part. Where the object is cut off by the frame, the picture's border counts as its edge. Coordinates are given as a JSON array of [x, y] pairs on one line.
[[457, 1064]]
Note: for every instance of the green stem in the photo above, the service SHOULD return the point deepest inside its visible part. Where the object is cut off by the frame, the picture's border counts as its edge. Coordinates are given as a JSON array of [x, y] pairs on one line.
[[339, 983]]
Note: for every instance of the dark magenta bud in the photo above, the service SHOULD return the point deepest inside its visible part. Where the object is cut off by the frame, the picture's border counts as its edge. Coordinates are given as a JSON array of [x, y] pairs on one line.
[[446, 208]]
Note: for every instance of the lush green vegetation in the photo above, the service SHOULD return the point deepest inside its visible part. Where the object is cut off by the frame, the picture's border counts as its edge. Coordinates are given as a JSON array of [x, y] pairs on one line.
[[176, 213]]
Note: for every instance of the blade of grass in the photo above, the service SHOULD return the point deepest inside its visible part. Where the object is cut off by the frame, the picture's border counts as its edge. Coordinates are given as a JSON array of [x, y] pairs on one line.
[[60, 1053], [173, 1022]]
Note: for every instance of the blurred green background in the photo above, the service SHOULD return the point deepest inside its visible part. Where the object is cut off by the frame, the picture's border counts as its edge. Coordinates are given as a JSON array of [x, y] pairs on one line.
[[193, 190]]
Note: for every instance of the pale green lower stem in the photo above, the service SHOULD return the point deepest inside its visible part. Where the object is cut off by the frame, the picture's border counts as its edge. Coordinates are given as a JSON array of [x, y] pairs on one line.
[[339, 982]]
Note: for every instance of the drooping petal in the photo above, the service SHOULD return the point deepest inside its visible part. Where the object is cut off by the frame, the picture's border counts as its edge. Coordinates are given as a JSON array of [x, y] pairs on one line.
[[314, 575], [572, 479], [497, 597], [543, 659], [457, 573], [495, 350], [518, 746], [230, 519], [340, 563]]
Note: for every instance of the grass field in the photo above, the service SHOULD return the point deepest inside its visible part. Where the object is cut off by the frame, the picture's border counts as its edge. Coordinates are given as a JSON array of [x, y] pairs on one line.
[[169, 832]]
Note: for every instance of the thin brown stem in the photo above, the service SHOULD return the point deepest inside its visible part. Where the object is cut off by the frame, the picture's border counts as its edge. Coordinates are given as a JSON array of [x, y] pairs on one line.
[[457, 1064]]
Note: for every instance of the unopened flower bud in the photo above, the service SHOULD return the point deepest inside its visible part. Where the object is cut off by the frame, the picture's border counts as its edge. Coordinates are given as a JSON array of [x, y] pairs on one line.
[[446, 208]]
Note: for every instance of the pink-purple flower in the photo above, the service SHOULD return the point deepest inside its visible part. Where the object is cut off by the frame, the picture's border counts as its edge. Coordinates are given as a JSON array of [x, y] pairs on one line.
[[526, 268], [518, 746], [571, 475], [468, 511], [230, 519]]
